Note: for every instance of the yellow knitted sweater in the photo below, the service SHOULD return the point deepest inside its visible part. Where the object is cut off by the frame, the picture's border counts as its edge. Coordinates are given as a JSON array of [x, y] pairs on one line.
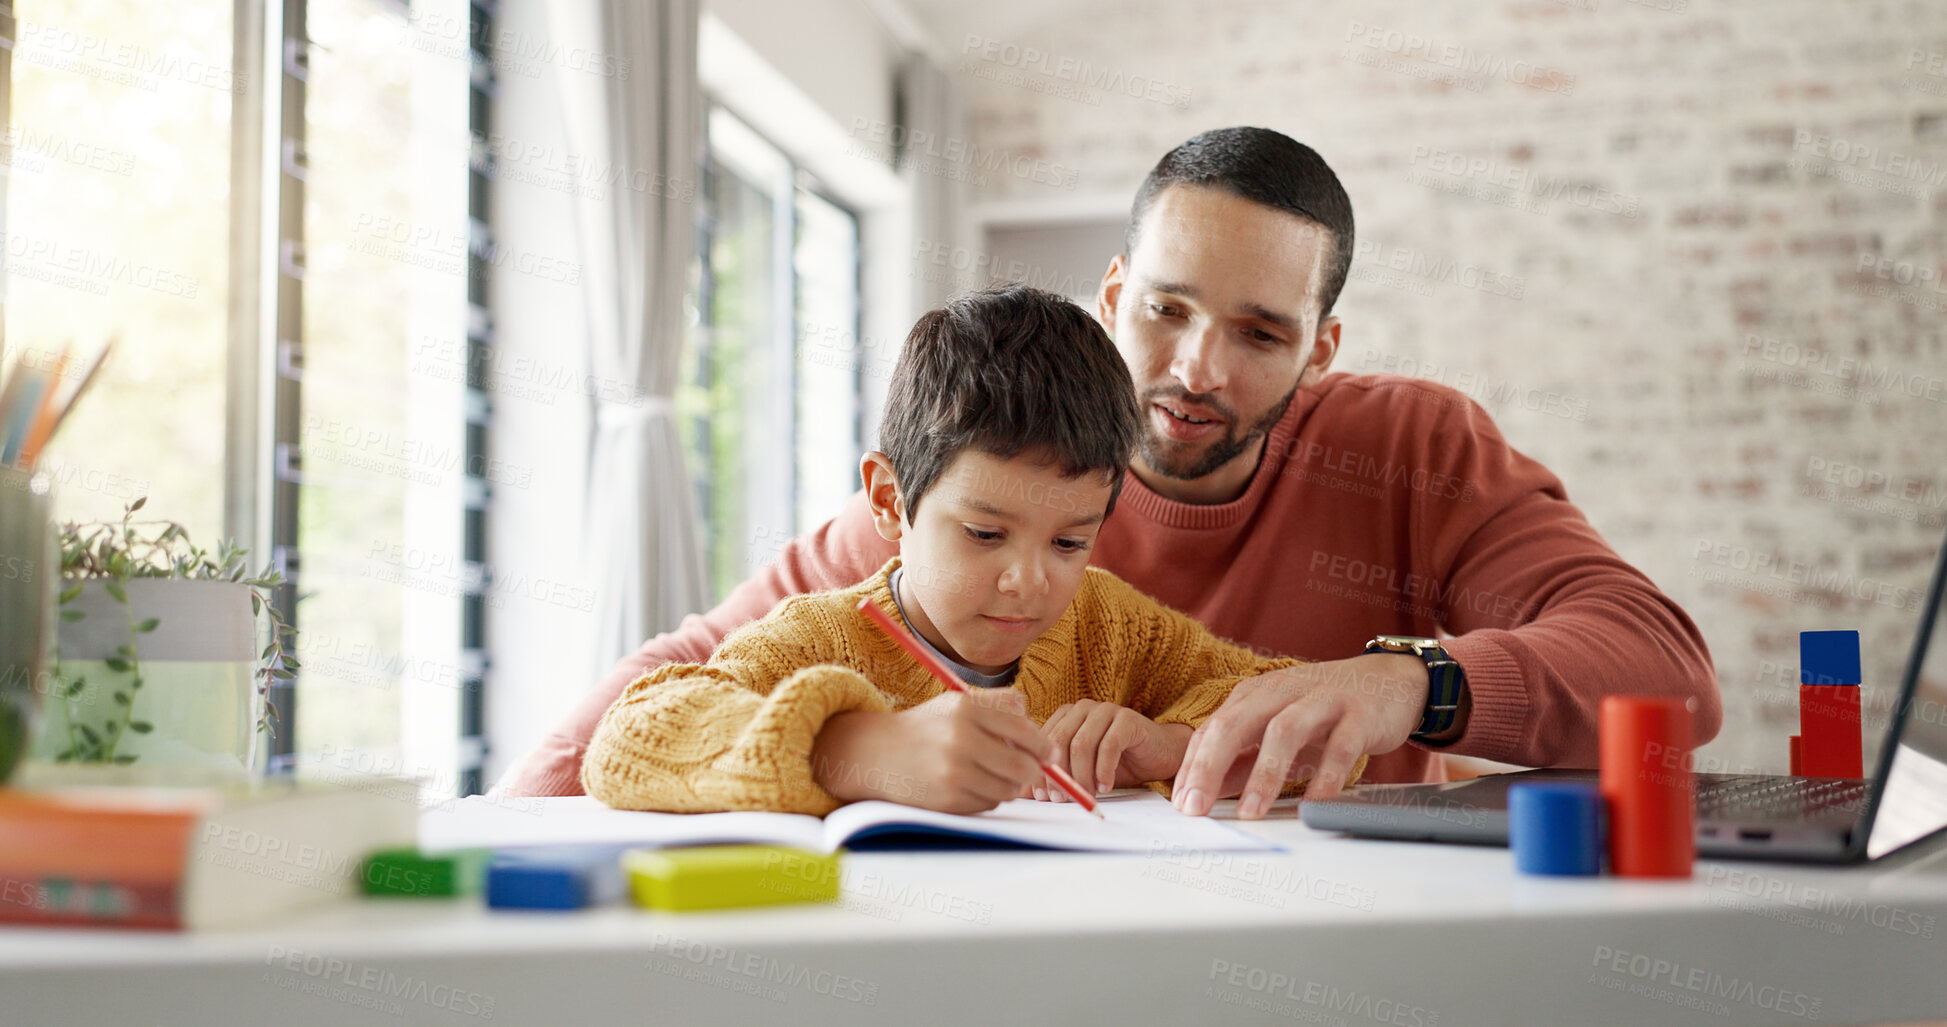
[[736, 733]]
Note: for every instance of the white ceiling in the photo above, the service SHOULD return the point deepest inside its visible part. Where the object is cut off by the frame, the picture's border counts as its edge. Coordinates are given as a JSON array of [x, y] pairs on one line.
[[950, 22]]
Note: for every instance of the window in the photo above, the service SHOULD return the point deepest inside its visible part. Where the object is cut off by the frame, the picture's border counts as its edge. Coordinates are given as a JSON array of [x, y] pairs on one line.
[[771, 408], [382, 470], [120, 224], [116, 194]]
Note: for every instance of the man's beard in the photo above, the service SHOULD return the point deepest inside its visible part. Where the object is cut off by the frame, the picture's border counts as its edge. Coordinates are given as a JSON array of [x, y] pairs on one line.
[[1167, 459]]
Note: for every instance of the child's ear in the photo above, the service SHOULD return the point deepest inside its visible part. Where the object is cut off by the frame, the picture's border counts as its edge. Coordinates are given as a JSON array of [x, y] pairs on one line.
[[882, 494]]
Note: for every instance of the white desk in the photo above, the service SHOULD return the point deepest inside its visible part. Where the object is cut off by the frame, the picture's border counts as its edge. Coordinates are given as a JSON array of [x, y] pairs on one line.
[[1333, 931]]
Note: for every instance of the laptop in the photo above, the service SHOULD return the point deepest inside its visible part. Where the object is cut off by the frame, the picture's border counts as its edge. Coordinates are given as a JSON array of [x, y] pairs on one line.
[[1739, 816]]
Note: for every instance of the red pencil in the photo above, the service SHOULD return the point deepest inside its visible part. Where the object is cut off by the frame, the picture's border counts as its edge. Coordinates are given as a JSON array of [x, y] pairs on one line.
[[952, 681]]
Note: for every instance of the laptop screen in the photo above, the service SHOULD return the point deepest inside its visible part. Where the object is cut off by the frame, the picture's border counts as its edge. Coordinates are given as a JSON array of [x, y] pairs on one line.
[[1914, 802]]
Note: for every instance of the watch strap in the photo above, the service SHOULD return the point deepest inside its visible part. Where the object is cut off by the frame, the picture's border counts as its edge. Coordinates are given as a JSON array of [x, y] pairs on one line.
[[1444, 685]]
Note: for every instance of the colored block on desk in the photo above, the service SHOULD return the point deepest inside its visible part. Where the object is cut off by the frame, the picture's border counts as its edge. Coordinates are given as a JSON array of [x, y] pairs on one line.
[[1795, 756], [1645, 744], [727, 876], [1828, 658], [1555, 828], [555, 877], [1831, 731], [407, 871]]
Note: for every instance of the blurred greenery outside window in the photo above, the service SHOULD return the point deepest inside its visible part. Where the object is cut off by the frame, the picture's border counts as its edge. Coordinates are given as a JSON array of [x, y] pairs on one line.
[[769, 400]]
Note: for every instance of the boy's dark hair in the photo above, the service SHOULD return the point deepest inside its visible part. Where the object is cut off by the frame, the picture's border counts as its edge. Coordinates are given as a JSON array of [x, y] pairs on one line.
[[1264, 167], [1009, 369]]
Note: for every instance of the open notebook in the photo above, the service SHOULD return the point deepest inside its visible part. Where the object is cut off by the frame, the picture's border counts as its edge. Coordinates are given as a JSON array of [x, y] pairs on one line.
[[1137, 821]]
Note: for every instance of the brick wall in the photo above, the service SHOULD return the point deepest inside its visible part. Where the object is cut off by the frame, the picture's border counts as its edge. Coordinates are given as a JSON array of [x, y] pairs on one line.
[[1688, 253]]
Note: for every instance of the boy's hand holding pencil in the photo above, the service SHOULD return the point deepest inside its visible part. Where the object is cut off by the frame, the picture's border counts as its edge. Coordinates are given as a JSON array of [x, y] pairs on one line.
[[958, 752], [1032, 742]]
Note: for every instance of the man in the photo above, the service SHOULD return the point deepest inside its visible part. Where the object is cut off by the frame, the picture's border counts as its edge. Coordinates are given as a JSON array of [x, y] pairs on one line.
[[1350, 520]]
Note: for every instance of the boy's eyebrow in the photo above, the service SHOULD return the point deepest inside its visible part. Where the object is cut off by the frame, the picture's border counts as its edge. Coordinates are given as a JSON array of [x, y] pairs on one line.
[[989, 508], [1262, 313]]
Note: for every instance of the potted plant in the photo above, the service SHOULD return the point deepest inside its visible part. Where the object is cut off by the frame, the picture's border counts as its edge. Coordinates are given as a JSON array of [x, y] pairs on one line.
[[155, 657]]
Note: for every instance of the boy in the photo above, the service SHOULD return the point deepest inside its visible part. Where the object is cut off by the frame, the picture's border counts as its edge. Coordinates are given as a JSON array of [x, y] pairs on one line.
[[1009, 423]]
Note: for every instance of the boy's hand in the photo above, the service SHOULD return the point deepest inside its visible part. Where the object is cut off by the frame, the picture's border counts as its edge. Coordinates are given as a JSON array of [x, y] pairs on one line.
[[958, 752], [1106, 746]]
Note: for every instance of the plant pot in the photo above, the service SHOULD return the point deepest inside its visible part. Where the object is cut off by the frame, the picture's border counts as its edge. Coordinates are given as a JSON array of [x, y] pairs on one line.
[[196, 706], [29, 566]]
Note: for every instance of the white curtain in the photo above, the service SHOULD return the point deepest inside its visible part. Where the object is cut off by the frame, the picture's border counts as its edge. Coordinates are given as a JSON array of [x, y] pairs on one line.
[[635, 123]]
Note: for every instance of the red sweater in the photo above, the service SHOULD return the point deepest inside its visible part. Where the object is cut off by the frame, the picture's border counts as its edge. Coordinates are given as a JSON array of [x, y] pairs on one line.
[[1382, 505]]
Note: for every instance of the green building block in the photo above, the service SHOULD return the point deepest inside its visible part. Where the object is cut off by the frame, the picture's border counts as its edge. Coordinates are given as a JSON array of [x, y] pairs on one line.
[[409, 872]]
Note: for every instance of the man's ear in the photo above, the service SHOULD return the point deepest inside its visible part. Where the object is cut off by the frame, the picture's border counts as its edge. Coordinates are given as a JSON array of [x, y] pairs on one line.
[[1109, 294], [1325, 346], [882, 495]]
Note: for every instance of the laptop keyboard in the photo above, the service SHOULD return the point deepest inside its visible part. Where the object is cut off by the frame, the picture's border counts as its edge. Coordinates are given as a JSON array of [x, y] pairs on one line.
[[1766, 797]]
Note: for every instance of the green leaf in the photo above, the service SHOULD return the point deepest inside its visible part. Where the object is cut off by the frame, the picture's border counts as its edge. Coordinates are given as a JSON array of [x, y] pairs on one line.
[[138, 504], [73, 688], [118, 665], [137, 683], [71, 593], [140, 727], [281, 674], [121, 699], [126, 652], [256, 605], [115, 590], [72, 615], [88, 733], [148, 625]]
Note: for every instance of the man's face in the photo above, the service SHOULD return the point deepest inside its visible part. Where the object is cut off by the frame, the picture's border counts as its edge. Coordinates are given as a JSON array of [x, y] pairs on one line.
[[996, 554], [1216, 313]]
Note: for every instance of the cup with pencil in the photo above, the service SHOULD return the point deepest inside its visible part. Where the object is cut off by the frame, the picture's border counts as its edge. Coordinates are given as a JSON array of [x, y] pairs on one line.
[[35, 398]]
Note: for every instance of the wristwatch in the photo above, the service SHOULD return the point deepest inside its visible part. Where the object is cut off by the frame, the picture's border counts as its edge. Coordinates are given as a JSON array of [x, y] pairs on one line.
[[1445, 683]]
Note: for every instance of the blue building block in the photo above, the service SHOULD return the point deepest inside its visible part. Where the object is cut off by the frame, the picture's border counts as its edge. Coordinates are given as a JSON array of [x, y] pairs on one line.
[[1828, 658], [555, 877]]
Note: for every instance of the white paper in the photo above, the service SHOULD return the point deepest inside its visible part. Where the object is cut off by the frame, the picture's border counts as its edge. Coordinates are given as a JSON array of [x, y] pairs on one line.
[[491, 822], [1140, 821], [1137, 821]]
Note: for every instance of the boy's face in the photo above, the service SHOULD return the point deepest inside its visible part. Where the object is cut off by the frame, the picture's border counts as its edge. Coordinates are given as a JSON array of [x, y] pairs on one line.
[[996, 553]]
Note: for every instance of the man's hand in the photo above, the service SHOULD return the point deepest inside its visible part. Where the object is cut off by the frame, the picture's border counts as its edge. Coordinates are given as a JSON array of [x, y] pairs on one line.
[[1314, 719], [958, 752], [1103, 746]]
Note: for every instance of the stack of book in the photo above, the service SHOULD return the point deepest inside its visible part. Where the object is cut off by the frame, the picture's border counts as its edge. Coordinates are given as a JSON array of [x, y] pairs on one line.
[[191, 858]]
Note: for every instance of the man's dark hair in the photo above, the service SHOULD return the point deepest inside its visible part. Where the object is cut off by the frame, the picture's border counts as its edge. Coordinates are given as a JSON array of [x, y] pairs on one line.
[[1010, 370], [1264, 167]]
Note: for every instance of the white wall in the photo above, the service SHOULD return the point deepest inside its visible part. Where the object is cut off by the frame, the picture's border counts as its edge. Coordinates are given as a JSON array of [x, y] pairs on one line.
[[835, 51], [1688, 254]]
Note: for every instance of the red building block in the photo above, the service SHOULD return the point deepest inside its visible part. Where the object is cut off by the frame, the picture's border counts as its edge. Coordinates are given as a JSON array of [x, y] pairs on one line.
[[1646, 778], [1831, 731]]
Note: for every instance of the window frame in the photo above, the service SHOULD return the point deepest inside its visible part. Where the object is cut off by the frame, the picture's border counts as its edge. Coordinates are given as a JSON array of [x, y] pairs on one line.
[[781, 175]]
